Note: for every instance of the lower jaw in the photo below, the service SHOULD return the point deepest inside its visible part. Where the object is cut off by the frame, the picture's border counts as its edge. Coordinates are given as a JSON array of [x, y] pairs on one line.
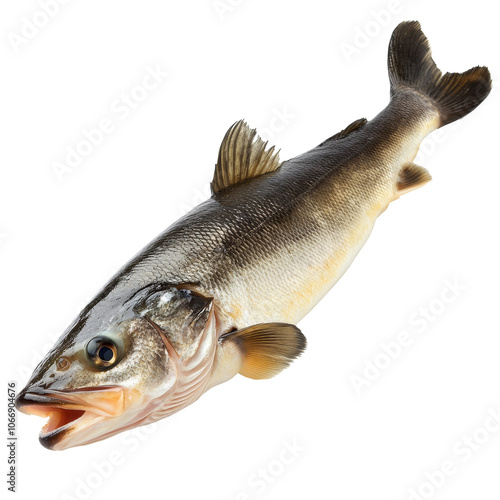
[[96, 428], [69, 436]]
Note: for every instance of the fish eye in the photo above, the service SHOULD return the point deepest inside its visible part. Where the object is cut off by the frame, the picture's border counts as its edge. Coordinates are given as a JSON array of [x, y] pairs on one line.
[[102, 352]]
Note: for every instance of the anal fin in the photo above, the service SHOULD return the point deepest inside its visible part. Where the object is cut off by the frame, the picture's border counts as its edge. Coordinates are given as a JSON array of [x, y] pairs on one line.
[[411, 177]]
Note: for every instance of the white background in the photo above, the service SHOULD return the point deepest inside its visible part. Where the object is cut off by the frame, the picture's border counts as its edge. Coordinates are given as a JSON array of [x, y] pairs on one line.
[[62, 239]]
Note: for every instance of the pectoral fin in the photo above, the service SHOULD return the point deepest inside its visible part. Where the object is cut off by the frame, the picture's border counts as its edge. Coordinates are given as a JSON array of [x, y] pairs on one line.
[[266, 349]]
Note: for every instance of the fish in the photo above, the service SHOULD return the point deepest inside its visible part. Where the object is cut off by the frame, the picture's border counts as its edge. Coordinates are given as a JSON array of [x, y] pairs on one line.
[[220, 292]]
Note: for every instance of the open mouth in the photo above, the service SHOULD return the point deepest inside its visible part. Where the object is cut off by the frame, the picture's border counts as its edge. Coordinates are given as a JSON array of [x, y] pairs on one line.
[[70, 412], [60, 419]]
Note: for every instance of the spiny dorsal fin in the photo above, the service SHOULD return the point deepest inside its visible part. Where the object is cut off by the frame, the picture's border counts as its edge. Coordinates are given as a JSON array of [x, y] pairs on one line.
[[355, 125], [411, 177], [267, 348], [242, 155]]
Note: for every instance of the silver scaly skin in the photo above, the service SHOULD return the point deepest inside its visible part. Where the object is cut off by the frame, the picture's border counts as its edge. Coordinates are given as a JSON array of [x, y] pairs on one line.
[[219, 292]]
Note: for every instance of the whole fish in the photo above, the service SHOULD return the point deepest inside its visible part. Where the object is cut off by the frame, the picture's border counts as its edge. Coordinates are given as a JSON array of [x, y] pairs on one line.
[[220, 291]]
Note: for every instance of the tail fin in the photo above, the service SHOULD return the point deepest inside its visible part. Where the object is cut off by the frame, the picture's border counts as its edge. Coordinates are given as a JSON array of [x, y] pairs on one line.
[[411, 66]]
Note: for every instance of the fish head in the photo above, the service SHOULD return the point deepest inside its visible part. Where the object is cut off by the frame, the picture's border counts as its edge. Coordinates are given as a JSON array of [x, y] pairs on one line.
[[112, 372]]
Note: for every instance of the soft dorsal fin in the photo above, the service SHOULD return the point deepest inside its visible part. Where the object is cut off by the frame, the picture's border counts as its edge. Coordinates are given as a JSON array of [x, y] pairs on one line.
[[242, 155], [355, 125]]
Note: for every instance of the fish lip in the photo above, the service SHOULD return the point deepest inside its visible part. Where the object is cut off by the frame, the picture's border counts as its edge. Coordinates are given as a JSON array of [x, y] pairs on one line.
[[75, 409]]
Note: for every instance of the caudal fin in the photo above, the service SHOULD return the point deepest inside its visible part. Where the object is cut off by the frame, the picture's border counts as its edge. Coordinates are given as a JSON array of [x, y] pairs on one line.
[[412, 67]]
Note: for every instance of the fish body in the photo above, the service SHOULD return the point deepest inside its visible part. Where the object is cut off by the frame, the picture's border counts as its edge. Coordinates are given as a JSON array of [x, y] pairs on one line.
[[220, 291], [271, 247]]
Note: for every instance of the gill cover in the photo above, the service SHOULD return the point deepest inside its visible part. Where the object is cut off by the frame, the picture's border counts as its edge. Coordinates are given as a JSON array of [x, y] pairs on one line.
[[185, 321]]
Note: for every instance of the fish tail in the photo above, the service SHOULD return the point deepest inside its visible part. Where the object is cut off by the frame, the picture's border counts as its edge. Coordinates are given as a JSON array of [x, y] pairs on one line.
[[412, 67]]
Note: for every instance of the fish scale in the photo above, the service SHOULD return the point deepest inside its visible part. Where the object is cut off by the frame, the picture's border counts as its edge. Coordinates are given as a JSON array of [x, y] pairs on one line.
[[220, 292]]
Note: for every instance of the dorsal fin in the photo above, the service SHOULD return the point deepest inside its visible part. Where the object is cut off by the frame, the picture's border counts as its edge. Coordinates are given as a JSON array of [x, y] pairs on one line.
[[242, 155], [355, 125]]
